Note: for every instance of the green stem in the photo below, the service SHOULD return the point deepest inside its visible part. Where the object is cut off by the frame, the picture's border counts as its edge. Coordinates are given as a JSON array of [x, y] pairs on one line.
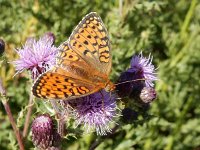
[[188, 18]]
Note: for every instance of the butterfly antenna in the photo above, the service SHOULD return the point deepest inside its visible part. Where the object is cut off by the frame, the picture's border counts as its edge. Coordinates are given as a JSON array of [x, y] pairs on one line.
[[142, 79]]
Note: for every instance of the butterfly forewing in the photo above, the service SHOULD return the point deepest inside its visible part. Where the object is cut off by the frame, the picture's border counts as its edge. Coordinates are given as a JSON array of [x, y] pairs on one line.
[[90, 40], [67, 56]]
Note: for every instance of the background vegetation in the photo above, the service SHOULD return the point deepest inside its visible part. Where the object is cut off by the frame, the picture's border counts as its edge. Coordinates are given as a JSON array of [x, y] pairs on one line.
[[169, 30]]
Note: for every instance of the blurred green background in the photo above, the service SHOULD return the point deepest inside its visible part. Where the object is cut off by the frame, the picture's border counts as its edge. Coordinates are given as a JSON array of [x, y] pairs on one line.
[[169, 30]]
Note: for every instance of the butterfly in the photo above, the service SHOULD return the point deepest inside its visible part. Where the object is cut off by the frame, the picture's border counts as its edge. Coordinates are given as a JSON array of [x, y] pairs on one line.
[[83, 63]]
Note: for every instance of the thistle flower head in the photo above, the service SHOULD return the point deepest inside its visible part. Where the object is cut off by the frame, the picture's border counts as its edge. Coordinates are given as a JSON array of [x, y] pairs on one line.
[[95, 111], [140, 74], [128, 83], [125, 89], [143, 68], [36, 56], [44, 136]]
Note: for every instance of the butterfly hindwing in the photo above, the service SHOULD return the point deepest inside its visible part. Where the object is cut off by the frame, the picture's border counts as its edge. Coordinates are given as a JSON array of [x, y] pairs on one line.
[[52, 85]]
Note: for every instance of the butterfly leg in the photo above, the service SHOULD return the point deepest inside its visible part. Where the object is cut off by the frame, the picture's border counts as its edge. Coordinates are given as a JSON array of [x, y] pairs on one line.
[[61, 126], [55, 106], [60, 117], [67, 107]]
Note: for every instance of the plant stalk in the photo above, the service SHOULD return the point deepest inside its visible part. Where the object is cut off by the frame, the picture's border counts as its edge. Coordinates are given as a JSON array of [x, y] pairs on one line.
[[10, 116], [30, 107]]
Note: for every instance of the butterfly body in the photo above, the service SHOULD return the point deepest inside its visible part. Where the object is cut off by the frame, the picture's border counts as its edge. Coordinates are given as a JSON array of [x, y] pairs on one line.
[[82, 65]]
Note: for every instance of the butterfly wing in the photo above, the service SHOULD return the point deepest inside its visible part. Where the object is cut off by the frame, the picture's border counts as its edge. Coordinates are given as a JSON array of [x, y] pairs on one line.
[[67, 57], [72, 77], [91, 42], [82, 65], [55, 85], [70, 61]]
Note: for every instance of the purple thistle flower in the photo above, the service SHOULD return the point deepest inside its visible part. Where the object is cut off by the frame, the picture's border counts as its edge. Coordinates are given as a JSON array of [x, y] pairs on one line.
[[95, 111], [143, 68], [141, 74], [36, 56], [125, 89]]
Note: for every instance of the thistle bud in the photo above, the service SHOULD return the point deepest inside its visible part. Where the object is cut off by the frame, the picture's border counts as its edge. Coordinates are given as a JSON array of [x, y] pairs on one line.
[[2, 47], [148, 94], [51, 36], [44, 136]]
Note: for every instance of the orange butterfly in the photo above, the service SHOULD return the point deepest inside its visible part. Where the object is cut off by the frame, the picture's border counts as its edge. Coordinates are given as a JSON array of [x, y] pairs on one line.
[[82, 65]]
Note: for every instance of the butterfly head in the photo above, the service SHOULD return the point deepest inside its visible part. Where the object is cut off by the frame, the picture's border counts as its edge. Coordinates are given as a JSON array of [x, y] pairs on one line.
[[110, 86]]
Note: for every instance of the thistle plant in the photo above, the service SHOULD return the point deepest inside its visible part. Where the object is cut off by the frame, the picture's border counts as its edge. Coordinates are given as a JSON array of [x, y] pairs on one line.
[[95, 112], [168, 30]]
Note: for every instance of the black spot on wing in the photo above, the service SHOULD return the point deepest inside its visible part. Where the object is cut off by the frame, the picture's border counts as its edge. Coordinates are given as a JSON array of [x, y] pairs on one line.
[[85, 42]]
